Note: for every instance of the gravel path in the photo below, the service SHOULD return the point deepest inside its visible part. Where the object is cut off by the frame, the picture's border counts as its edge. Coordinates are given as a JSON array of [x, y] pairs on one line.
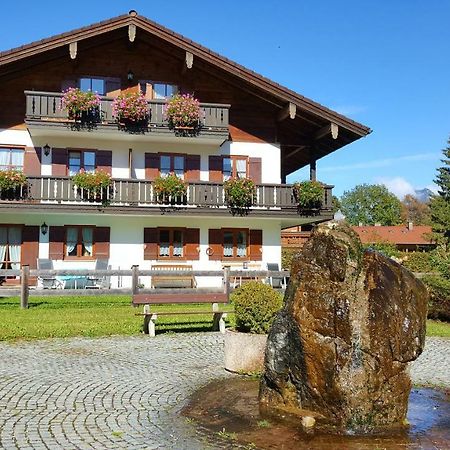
[[124, 392]]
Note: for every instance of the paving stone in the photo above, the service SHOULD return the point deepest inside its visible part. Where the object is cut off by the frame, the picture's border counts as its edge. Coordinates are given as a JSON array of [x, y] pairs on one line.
[[125, 392]]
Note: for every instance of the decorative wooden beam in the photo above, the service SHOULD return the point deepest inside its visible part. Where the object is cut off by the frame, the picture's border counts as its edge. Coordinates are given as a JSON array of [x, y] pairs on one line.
[[331, 128], [290, 110], [189, 60], [73, 46], [132, 32], [295, 151]]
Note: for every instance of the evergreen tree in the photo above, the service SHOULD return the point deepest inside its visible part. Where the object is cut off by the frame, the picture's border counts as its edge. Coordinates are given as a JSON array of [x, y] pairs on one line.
[[440, 204]]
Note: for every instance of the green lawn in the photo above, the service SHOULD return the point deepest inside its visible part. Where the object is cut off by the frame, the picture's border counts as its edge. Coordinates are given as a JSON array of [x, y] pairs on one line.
[[100, 315], [104, 315]]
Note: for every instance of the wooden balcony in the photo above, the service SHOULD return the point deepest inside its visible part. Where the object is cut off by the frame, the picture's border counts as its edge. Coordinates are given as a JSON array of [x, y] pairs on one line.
[[130, 196], [43, 109]]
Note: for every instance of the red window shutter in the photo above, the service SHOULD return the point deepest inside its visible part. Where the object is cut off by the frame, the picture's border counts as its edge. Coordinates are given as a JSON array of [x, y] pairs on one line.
[[254, 169], [192, 170], [59, 162], [104, 160], [102, 242], [30, 248], [32, 161], [256, 242], [151, 166], [150, 243], [215, 168], [192, 241], [57, 238], [215, 245]]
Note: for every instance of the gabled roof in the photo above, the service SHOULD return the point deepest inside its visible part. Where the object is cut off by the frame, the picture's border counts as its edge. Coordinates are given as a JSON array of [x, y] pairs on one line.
[[284, 94], [399, 235]]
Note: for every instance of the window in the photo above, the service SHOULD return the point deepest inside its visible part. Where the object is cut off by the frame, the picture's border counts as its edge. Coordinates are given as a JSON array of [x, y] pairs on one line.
[[234, 167], [235, 243], [81, 160], [10, 245], [93, 84], [79, 242], [171, 164], [151, 89], [171, 243], [11, 158]]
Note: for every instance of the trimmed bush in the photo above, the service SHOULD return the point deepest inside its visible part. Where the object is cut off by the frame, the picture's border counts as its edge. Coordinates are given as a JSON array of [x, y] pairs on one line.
[[255, 306], [439, 305], [418, 262]]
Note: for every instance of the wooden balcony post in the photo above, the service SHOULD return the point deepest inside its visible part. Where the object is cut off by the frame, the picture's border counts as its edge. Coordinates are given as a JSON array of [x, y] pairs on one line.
[[24, 288]]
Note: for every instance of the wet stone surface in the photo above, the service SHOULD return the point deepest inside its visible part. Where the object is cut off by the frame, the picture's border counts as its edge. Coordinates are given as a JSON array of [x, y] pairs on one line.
[[126, 392]]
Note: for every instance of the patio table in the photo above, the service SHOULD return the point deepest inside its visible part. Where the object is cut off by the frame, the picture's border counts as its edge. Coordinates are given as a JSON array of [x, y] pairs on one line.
[[77, 281]]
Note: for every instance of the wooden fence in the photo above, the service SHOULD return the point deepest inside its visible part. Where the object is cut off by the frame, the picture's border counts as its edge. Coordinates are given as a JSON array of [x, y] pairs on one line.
[[25, 273]]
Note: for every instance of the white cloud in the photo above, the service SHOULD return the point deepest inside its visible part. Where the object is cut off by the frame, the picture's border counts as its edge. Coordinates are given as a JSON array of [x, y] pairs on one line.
[[386, 162], [432, 187], [398, 186], [349, 110]]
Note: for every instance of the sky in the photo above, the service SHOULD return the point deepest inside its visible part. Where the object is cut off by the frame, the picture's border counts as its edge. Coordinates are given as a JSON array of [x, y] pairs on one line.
[[384, 63]]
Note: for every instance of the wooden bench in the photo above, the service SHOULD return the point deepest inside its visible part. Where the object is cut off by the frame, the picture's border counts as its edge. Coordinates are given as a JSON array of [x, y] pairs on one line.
[[175, 281], [212, 298]]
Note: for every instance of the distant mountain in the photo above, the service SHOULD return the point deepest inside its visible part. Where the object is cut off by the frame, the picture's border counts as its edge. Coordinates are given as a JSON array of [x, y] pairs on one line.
[[423, 195]]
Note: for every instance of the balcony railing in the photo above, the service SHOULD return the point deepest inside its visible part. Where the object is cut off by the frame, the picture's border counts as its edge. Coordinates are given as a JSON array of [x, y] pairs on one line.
[[140, 193], [46, 106]]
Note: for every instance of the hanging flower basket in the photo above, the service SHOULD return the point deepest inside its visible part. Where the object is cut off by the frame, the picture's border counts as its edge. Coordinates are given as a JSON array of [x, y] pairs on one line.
[[308, 194], [81, 106], [13, 184], [170, 190], [239, 193], [131, 110], [183, 114], [93, 186]]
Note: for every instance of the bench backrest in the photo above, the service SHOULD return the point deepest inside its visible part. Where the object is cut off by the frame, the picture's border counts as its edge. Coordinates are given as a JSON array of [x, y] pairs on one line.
[[162, 298], [172, 267]]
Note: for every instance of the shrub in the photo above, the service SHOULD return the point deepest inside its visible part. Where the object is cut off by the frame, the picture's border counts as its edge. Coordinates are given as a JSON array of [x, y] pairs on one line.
[[439, 304], [92, 182], [130, 106], [170, 187], [77, 101], [255, 306], [11, 179], [287, 255], [308, 194], [182, 110], [418, 261], [386, 248], [239, 193]]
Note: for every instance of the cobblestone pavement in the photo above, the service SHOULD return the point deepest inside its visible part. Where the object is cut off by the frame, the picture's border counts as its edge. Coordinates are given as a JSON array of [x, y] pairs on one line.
[[123, 392]]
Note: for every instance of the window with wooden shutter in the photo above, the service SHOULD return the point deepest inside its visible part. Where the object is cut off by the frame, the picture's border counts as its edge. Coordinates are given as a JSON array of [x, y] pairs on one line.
[[102, 236], [32, 161], [104, 161], [150, 243], [57, 237], [152, 161], [59, 162], [256, 243], [192, 168], [192, 239], [215, 244], [255, 169], [215, 168], [30, 248]]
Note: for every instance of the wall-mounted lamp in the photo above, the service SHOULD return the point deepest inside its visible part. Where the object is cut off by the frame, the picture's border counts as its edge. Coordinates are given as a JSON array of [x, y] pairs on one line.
[[130, 75], [44, 229], [46, 148]]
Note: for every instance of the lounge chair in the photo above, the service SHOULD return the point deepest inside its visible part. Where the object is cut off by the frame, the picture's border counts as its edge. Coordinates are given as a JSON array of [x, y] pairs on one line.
[[99, 282], [48, 282], [275, 282]]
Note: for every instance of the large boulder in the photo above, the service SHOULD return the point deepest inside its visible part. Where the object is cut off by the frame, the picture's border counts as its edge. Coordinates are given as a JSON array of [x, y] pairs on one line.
[[340, 347]]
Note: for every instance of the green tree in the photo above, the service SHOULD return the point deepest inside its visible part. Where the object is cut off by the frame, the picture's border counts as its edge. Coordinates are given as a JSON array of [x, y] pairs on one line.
[[336, 204], [370, 204], [440, 203]]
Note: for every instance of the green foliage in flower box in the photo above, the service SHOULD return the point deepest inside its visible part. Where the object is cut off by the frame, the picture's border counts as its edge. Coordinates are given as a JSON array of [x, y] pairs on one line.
[[308, 194], [12, 179], [92, 182], [169, 188], [239, 193], [75, 101], [182, 110]]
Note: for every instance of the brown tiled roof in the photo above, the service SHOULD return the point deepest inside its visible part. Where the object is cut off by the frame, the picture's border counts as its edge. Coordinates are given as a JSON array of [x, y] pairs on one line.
[[399, 235], [257, 80]]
